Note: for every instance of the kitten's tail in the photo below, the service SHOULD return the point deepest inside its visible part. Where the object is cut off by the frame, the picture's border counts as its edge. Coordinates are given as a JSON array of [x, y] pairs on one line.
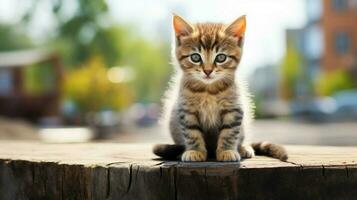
[[168, 151], [271, 150]]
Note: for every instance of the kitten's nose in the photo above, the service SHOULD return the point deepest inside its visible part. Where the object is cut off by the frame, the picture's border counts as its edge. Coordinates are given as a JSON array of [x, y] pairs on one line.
[[207, 71]]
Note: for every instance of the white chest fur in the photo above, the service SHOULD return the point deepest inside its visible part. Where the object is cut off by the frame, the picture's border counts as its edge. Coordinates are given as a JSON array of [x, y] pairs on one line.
[[208, 109]]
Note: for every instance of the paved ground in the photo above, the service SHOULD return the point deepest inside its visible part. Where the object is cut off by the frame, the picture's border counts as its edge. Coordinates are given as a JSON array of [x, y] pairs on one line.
[[290, 132], [280, 131], [17, 129]]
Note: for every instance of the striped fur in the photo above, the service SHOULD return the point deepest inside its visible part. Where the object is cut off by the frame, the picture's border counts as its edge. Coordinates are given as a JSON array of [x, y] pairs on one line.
[[269, 149], [208, 107]]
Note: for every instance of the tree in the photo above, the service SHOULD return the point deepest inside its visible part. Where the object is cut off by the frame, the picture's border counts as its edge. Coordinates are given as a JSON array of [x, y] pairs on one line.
[[291, 70], [89, 88], [13, 38], [330, 82], [80, 34], [88, 32]]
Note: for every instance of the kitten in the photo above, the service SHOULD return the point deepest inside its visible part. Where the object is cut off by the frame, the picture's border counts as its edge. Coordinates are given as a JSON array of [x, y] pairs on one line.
[[208, 108]]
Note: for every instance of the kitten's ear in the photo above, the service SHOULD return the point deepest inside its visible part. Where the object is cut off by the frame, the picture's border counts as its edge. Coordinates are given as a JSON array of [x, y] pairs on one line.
[[181, 27], [237, 28]]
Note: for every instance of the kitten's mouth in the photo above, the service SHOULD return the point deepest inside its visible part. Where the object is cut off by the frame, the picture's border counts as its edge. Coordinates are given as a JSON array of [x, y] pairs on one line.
[[208, 79]]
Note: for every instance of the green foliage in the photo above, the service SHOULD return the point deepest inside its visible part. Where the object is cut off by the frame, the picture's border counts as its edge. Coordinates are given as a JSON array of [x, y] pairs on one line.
[[107, 42], [79, 34], [257, 103], [87, 33], [330, 82], [83, 33], [39, 79], [13, 38], [151, 65], [90, 89], [291, 70]]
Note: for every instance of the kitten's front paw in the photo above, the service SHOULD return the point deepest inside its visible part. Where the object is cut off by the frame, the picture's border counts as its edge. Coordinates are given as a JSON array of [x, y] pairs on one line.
[[228, 156], [192, 155]]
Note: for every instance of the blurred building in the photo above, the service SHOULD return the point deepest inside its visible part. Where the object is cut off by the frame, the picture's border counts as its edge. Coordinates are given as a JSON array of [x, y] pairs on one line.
[[339, 23], [16, 98], [325, 46], [265, 86], [308, 43], [327, 42], [301, 66], [262, 76]]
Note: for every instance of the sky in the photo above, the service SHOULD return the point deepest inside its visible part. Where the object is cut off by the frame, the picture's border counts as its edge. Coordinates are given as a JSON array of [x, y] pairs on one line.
[[267, 21]]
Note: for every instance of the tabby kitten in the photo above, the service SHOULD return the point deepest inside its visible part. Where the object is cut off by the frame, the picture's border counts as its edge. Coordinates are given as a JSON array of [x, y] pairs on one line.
[[210, 110]]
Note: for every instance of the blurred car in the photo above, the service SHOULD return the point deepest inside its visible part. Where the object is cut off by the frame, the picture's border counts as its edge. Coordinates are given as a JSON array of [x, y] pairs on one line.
[[144, 115], [346, 104], [318, 109], [340, 106]]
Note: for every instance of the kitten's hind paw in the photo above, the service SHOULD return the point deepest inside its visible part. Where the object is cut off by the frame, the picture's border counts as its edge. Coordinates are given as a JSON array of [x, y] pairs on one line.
[[228, 156], [193, 155], [246, 151]]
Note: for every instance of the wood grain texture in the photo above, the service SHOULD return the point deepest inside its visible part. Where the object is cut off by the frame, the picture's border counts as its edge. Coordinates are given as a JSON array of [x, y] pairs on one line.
[[30, 170]]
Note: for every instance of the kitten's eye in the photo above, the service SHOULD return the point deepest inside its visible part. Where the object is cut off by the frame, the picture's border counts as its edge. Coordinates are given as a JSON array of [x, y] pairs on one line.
[[220, 58], [196, 58]]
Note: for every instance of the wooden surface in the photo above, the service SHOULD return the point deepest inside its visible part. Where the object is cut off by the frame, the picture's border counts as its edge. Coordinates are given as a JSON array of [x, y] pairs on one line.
[[30, 170]]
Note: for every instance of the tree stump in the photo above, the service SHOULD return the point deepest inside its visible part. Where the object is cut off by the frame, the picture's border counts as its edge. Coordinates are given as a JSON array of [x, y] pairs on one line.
[[30, 170]]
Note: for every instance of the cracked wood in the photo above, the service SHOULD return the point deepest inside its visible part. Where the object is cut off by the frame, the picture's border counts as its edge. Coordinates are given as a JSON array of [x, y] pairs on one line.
[[31, 170]]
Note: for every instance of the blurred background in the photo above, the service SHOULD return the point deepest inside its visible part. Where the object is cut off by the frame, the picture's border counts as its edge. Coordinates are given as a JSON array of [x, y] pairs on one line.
[[84, 70]]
